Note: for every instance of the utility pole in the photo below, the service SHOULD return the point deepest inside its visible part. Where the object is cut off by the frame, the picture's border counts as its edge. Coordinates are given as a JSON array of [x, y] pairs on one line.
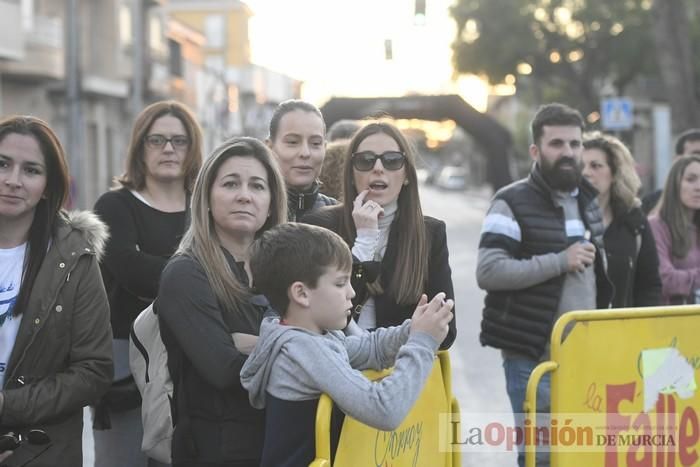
[[137, 52], [73, 102]]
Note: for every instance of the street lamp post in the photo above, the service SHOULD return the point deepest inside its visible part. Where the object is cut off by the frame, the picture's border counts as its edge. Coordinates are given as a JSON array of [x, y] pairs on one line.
[[73, 102], [137, 21]]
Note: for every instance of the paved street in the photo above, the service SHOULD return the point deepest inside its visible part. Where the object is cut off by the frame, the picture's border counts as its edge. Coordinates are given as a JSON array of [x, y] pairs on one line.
[[477, 373]]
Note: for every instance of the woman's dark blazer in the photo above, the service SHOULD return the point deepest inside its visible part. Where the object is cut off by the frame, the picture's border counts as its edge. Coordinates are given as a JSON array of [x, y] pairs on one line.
[[388, 312]]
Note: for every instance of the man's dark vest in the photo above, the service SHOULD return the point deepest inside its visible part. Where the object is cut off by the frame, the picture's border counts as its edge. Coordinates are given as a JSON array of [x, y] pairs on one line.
[[522, 320]]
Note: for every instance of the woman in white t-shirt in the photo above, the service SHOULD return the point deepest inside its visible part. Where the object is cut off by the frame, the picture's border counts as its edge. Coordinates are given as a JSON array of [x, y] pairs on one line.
[[55, 337]]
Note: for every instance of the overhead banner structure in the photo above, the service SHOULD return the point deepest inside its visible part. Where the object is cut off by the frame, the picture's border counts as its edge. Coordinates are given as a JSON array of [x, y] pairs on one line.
[[414, 443], [624, 390]]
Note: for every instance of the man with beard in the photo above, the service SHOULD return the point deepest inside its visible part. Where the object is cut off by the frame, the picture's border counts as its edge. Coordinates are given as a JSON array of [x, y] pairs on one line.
[[541, 255]]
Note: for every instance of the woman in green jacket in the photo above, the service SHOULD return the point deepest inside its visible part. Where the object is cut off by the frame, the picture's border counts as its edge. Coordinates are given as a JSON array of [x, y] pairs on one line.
[[55, 336]]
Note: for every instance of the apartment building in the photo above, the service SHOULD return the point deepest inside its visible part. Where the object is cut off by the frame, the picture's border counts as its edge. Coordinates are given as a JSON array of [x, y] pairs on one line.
[[131, 52]]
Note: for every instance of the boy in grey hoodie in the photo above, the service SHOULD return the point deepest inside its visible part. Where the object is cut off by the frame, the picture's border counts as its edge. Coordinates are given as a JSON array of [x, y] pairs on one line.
[[304, 271]]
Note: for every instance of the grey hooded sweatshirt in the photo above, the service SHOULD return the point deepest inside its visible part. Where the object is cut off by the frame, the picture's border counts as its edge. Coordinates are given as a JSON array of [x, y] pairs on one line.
[[295, 365]]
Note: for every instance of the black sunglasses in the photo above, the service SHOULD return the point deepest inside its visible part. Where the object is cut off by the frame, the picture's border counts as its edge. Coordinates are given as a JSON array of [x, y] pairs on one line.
[[391, 160]]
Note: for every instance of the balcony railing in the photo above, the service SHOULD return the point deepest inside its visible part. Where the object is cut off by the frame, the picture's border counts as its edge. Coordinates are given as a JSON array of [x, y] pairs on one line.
[[11, 42], [46, 32], [42, 45]]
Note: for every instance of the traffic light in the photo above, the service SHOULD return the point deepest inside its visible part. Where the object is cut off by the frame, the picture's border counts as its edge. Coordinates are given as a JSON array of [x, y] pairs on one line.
[[419, 12], [388, 50]]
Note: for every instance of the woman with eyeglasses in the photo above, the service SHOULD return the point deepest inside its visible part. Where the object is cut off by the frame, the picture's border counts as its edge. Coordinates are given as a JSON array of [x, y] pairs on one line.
[[146, 215], [399, 253]]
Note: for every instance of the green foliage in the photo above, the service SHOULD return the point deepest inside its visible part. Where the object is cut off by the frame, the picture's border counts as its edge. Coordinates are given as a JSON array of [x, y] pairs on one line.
[[596, 41]]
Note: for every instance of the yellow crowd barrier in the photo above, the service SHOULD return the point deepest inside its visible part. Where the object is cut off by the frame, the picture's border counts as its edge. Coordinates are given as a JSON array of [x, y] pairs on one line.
[[623, 389], [413, 443]]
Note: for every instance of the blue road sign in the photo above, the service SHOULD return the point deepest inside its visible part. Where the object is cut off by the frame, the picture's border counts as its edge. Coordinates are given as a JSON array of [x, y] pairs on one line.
[[617, 113]]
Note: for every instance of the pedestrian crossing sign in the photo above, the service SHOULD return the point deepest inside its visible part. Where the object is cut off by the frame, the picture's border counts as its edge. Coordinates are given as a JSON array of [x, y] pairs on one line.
[[617, 113]]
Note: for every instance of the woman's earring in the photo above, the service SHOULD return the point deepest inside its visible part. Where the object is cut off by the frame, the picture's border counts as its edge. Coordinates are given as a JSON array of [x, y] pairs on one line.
[[405, 182]]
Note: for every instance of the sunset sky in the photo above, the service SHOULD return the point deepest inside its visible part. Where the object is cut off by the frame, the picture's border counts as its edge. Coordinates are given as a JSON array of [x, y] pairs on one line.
[[336, 48]]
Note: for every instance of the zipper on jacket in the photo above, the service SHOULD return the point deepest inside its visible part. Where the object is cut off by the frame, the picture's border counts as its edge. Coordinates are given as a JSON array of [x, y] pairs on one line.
[[630, 284]]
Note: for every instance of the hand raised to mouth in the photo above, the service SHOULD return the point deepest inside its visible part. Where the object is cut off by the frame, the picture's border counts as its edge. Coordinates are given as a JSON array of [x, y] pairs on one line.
[[365, 214]]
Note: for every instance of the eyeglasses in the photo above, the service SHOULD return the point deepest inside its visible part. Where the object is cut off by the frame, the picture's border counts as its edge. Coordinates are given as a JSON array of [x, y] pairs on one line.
[[391, 160], [158, 141]]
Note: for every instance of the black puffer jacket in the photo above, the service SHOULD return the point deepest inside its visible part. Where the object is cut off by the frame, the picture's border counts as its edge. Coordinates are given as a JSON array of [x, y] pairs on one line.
[[301, 203], [522, 320]]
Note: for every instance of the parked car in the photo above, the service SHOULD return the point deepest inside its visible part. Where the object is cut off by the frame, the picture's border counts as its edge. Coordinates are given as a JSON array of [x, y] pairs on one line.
[[422, 175], [430, 170], [452, 178]]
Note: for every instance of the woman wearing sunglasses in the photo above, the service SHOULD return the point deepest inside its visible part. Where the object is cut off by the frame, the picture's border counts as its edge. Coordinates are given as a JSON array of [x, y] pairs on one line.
[[146, 215], [399, 254]]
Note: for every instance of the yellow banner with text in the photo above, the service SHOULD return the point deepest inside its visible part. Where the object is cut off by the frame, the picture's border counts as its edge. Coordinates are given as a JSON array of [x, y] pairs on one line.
[[414, 443], [624, 390]]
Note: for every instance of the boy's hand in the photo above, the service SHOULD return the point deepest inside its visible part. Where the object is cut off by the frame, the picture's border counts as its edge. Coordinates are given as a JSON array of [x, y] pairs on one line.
[[420, 308], [422, 305], [433, 318]]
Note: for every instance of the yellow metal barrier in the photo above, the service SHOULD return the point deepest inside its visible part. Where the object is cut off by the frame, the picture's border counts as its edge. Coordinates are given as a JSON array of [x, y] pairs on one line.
[[624, 384], [414, 442], [323, 430], [456, 457], [530, 406]]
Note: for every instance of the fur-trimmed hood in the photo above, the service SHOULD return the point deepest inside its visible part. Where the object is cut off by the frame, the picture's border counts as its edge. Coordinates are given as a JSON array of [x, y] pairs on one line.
[[62, 355], [94, 231]]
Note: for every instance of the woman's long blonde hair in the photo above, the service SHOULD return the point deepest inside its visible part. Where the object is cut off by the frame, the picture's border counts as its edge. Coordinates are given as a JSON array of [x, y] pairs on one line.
[[625, 181], [201, 241]]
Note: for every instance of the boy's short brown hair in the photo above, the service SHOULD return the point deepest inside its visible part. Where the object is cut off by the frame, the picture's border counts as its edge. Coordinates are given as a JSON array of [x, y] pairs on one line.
[[294, 252]]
